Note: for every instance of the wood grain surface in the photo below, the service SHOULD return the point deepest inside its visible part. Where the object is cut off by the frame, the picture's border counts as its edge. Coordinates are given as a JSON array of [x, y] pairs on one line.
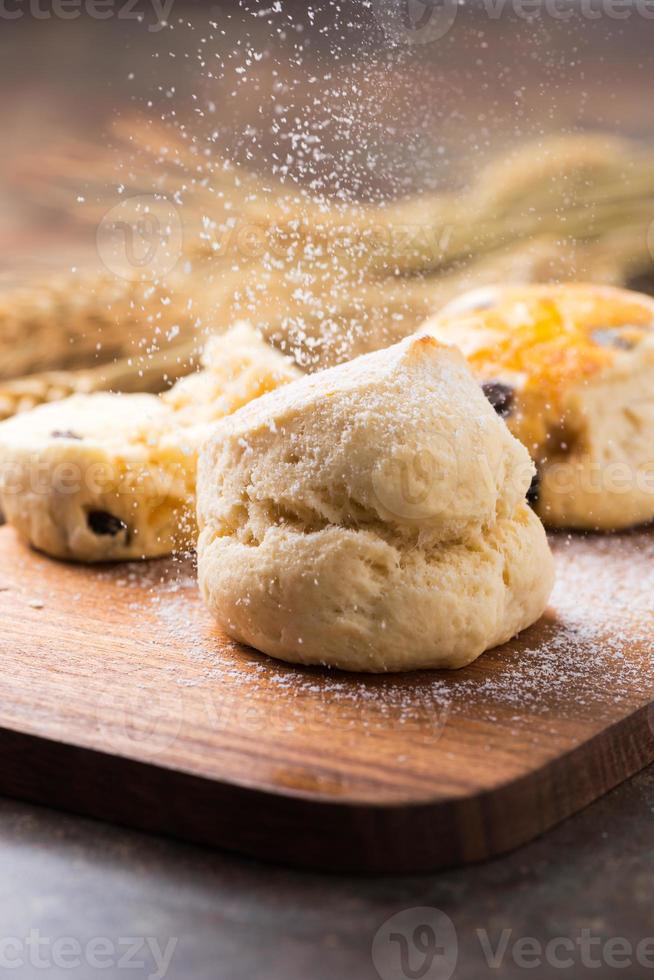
[[120, 699]]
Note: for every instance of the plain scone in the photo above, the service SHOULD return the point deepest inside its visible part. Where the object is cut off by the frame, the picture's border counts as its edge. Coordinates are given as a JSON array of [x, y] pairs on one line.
[[372, 517]]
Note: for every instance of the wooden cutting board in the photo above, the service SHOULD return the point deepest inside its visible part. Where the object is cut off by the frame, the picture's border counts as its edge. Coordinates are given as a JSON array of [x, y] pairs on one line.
[[120, 699]]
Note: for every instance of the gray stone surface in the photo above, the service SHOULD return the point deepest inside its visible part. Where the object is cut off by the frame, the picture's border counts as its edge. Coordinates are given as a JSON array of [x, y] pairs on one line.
[[235, 919]]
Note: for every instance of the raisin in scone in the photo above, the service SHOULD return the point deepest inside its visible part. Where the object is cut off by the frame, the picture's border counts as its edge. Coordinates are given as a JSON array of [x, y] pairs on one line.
[[371, 517], [107, 477], [571, 370]]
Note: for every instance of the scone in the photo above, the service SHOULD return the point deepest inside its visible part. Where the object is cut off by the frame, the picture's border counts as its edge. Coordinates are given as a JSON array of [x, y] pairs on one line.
[[371, 517], [108, 477], [238, 367], [571, 370]]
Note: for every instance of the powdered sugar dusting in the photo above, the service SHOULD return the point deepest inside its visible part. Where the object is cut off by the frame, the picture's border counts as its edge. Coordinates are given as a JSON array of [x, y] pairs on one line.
[[592, 653]]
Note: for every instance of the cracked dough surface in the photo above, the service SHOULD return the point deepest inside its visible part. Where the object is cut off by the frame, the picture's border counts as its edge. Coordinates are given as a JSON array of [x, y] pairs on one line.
[[108, 477], [372, 517]]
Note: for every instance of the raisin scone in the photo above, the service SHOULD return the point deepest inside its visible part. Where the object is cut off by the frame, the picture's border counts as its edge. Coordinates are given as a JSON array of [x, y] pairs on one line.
[[372, 517], [107, 477], [571, 370]]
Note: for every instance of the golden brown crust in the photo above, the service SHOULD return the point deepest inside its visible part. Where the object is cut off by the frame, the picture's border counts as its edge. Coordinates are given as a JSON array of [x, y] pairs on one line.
[[553, 334], [571, 369], [545, 340]]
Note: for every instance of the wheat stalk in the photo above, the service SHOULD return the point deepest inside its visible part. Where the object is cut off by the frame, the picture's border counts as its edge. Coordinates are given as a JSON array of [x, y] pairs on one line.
[[326, 281], [154, 374]]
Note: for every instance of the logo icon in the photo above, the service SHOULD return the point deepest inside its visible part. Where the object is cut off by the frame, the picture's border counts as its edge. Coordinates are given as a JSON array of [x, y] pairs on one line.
[[147, 715], [416, 944], [140, 239], [417, 484], [415, 21]]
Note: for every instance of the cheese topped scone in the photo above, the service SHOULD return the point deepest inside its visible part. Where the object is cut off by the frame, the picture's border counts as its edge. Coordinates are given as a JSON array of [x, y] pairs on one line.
[[571, 370], [107, 477], [371, 517]]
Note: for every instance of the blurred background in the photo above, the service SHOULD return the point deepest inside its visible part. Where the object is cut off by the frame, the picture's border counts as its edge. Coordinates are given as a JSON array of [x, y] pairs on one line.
[[334, 171], [407, 114]]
